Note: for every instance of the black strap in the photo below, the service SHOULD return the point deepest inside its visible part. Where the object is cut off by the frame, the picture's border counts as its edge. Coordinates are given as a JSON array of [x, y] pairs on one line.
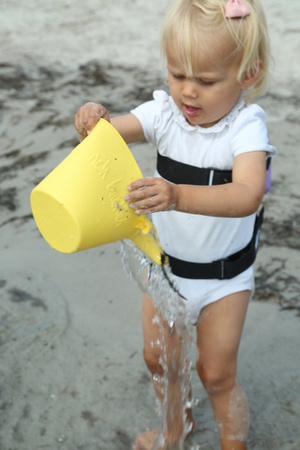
[[180, 173], [221, 269]]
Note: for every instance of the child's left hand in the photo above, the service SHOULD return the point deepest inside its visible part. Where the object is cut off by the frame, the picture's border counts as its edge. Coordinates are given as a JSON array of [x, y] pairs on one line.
[[149, 195]]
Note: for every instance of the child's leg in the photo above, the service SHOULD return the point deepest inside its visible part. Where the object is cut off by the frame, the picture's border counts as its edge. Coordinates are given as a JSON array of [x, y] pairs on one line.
[[152, 355], [219, 332]]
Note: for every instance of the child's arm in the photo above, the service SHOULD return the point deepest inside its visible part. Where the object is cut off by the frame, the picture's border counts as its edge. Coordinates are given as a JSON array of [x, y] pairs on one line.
[[240, 198], [88, 115]]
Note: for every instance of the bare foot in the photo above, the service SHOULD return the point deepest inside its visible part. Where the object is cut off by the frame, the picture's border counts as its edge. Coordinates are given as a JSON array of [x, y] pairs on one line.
[[145, 440]]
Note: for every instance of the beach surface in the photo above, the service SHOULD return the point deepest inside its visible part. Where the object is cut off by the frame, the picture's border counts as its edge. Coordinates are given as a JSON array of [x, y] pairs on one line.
[[72, 374]]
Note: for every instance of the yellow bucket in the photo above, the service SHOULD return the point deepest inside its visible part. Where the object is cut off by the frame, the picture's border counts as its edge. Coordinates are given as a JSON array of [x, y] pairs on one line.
[[81, 205]]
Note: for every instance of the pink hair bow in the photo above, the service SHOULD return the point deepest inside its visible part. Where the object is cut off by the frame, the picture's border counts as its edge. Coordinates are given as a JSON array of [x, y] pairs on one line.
[[236, 9]]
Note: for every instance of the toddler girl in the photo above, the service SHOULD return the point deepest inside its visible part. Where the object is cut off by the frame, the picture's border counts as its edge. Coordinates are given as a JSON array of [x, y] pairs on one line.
[[210, 179]]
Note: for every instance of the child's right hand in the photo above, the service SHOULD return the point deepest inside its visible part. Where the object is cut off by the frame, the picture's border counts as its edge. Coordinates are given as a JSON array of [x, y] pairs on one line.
[[87, 116]]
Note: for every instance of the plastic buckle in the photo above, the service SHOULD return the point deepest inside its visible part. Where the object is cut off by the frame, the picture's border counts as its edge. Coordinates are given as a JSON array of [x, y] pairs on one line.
[[222, 269], [219, 269], [211, 177]]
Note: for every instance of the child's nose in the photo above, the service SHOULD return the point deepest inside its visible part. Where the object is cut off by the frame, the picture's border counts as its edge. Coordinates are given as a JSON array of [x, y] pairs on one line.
[[190, 88]]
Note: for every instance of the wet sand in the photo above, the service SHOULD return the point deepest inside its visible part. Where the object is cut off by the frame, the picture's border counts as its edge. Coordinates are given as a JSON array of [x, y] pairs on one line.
[[72, 374]]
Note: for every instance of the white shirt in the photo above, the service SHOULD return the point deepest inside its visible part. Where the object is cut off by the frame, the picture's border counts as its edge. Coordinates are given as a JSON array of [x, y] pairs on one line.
[[194, 237]]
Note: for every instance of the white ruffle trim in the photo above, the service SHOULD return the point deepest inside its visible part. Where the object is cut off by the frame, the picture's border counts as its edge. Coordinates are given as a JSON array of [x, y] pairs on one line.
[[161, 97]]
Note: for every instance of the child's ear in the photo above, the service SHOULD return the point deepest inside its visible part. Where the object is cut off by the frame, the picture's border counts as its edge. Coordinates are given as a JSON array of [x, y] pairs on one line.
[[250, 79]]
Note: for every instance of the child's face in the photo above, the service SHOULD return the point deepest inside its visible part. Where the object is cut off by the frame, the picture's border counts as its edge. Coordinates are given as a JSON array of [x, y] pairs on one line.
[[210, 95]]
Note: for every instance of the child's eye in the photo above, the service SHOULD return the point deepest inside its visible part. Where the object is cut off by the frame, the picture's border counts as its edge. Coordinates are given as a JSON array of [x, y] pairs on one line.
[[177, 76], [206, 82]]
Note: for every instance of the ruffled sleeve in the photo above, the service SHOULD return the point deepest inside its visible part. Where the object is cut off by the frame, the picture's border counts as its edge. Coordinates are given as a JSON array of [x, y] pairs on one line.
[[249, 133], [154, 115]]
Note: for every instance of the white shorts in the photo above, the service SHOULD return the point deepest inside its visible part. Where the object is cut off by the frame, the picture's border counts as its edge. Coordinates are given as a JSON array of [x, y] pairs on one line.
[[200, 293]]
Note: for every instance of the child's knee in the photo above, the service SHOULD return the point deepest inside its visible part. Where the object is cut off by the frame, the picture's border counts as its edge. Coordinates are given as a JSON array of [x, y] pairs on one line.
[[152, 359], [218, 380]]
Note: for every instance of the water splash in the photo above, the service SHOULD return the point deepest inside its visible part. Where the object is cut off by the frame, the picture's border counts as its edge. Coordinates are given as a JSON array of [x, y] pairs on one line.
[[157, 282]]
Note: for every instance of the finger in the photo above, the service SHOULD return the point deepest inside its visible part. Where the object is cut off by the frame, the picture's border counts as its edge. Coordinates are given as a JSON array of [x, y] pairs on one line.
[[91, 114], [152, 204], [80, 122], [87, 116], [143, 203], [82, 133], [149, 210], [142, 183], [141, 194]]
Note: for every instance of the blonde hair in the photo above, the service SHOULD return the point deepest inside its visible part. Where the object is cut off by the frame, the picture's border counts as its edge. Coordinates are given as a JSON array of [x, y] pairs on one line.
[[190, 22]]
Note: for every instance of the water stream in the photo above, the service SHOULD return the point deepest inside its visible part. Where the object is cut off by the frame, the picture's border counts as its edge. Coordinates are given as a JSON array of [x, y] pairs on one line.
[[157, 282]]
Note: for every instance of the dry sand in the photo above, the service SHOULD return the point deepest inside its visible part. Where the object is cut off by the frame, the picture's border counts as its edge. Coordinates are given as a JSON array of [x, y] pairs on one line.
[[72, 374]]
